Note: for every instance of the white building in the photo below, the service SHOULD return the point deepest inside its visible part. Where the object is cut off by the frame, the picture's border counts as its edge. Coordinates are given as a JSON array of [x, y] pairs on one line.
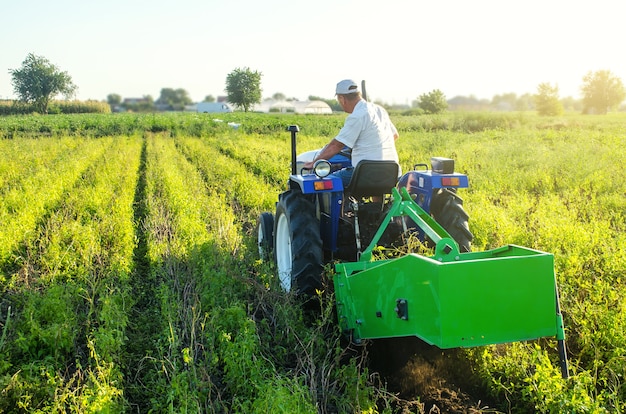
[[298, 107], [210, 107]]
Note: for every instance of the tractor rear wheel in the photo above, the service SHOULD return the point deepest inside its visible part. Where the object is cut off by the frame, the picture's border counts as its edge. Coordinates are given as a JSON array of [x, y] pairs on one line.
[[265, 236], [297, 244], [447, 209]]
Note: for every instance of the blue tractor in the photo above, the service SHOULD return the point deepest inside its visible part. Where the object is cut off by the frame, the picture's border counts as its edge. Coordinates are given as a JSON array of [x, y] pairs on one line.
[[317, 221]]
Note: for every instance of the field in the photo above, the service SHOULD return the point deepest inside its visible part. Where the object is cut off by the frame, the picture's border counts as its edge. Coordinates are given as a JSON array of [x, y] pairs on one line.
[[130, 282]]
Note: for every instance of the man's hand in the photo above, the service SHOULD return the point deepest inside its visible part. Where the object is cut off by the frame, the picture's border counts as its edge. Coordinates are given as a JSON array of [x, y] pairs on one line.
[[332, 148]]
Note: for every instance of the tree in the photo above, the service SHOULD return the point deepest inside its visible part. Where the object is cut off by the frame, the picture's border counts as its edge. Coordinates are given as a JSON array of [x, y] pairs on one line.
[[209, 98], [145, 104], [525, 102], [114, 99], [175, 99], [504, 102], [571, 104], [601, 91], [243, 87], [433, 102], [279, 96], [463, 103], [547, 100], [38, 81]]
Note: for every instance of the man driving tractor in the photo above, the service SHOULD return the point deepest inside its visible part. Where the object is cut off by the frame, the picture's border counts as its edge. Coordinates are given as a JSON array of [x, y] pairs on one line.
[[367, 130]]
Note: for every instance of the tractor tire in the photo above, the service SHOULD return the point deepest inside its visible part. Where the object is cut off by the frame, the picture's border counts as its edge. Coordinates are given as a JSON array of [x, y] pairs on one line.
[[297, 244], [265, 236], [446, 207]]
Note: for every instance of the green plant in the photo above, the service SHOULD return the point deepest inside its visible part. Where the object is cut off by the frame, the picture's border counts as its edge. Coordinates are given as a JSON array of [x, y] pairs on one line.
[[129, 263]]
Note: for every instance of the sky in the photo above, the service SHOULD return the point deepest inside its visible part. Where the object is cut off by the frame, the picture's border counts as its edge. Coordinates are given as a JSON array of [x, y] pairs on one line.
[[401, 48]]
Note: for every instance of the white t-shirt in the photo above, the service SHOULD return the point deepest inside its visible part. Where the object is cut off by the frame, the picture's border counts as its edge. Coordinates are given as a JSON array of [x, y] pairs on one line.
[[370, 133]]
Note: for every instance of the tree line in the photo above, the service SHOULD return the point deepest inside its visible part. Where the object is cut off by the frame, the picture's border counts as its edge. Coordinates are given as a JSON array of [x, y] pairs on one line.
[[37, 82]]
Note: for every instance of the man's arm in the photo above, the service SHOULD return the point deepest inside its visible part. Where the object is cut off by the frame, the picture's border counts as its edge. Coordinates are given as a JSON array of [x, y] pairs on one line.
[[332, 148], [395, 131]]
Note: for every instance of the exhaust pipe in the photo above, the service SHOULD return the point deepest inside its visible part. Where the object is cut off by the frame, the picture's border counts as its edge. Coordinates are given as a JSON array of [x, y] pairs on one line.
[[294, 129]]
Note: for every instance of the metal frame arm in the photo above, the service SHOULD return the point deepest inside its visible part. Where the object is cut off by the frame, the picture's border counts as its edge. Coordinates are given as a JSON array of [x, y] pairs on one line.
[[404, 205]]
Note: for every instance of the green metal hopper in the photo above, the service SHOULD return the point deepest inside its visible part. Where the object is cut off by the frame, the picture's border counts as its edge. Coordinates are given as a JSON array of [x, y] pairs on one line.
[[451, 299]]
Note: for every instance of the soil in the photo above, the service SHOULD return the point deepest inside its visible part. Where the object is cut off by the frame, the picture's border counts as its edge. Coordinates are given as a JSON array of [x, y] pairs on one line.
[[424, 378]]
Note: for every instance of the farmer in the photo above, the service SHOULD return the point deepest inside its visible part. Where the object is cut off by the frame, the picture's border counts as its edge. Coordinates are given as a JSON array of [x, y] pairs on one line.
[[367, 130]]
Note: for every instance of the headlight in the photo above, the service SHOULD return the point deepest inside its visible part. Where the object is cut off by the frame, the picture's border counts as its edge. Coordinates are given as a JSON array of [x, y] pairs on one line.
[[321, 168]]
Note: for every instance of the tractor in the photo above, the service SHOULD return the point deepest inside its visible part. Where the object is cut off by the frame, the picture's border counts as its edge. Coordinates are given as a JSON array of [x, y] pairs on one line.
[[449, 297]]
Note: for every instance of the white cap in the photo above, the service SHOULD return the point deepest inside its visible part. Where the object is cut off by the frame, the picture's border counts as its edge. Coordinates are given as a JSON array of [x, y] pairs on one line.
[[346, 86]]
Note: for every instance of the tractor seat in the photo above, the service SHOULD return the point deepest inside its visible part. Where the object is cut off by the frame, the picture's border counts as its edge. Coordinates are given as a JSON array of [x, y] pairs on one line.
[[373, 179]]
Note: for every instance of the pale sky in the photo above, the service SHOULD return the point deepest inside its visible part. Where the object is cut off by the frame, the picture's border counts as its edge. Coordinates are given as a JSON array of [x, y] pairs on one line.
[[402, 48]]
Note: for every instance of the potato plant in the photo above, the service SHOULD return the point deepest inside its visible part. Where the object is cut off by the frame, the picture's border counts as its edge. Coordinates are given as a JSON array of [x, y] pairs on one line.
[[130, 282]]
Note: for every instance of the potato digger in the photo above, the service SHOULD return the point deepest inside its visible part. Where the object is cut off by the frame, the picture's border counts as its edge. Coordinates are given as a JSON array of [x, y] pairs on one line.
[[452, 297]]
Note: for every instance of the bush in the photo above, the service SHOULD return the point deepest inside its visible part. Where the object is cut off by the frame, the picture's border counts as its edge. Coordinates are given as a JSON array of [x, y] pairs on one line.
[[56, 107]]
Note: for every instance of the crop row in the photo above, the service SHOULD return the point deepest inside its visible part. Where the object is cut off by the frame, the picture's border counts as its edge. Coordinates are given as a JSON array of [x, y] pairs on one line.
[[34, 179], [199, 289], [65, 298]]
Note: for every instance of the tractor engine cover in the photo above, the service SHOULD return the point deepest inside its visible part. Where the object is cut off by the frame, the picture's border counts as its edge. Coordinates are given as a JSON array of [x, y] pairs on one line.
[[442, 165]]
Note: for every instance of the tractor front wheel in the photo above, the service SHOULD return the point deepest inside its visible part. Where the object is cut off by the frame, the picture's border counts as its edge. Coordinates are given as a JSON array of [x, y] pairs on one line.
[[265, 236], [297, 244], [447, 209]]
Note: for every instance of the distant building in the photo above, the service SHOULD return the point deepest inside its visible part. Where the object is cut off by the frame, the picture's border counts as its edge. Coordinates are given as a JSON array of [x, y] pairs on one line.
[[211, 107], [313, 107], [135, 101], [298, 107]]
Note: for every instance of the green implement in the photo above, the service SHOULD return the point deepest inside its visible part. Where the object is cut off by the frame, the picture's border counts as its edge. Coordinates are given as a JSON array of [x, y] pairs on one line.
[[450, 299]]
